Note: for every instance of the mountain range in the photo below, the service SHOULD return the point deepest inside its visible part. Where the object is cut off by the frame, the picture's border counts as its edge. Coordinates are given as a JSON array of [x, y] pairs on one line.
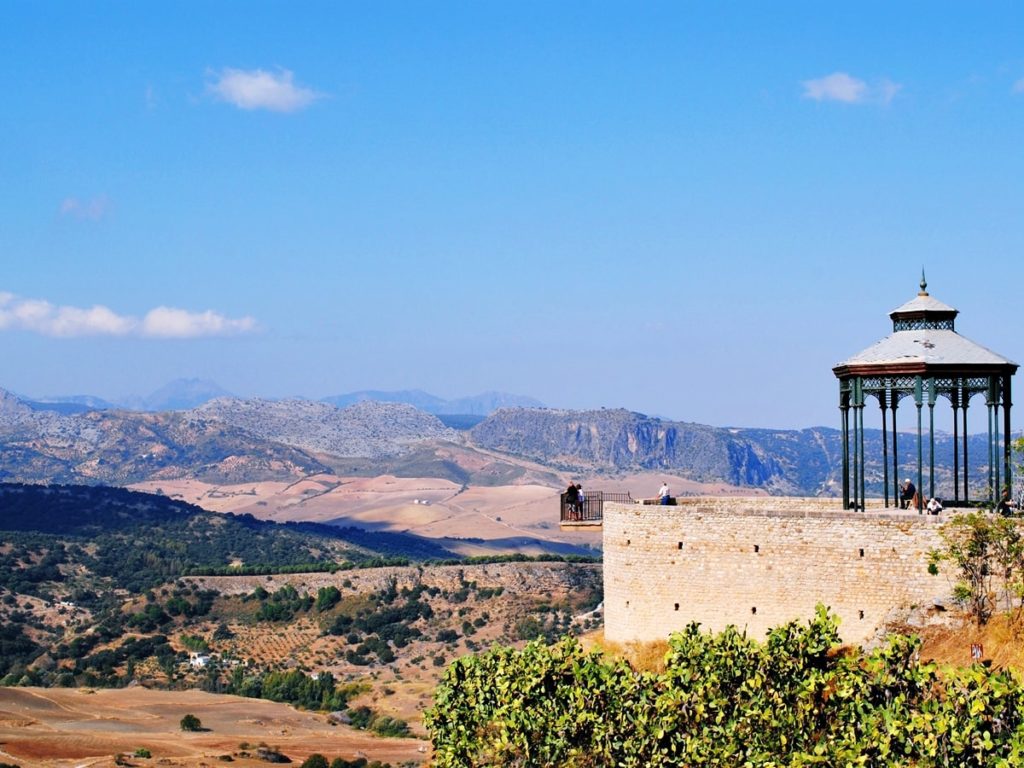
[[185, 394], [233, 440]]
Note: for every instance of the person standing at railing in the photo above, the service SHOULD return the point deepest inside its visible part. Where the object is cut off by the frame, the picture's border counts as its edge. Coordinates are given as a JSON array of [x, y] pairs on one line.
[[580, 498], [572, 498]]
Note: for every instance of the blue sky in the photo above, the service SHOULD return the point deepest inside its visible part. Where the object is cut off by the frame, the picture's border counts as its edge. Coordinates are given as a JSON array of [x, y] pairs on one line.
[[682, 209]]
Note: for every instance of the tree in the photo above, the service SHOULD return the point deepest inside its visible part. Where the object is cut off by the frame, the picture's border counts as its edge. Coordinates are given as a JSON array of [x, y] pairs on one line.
[[327, 598], [796, 698], [191, 723], [988, 555], [316, 760]]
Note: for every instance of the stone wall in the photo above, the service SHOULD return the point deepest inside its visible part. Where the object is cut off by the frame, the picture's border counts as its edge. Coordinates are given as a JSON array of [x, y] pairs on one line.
[[758, 563]]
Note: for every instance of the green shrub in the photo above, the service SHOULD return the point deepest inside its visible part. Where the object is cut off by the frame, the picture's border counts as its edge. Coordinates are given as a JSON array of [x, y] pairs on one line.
[[795, 699], [384, 725]]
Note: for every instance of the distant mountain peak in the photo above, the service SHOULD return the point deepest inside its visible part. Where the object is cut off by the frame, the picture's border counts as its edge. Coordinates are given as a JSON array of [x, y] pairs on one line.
[[183, 395]]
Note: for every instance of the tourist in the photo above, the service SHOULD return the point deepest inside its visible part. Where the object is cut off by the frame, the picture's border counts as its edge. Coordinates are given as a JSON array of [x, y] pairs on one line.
[[572, 496], [908, 494], [663, 494], [580, 498], [1005, 506], [934, 506]]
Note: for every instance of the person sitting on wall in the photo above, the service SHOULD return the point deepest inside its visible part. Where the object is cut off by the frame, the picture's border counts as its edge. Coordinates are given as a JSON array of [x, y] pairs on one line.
[[908, 494], [664, 496], [934, 506], [1005, 506]]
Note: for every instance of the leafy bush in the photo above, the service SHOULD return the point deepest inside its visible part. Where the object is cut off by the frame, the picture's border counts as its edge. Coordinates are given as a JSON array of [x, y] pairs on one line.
[[194, 643], [366, 719], [384, 725], [327, 598], [293, 687], [191, 723], [724, 699]]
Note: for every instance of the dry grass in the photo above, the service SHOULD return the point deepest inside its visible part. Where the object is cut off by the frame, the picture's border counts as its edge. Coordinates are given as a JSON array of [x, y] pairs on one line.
[[73, 727], [644, 657], [1002, 642]]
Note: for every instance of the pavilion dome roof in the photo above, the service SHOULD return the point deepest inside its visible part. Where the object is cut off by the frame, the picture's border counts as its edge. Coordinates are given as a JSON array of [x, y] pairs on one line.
[[923, 303], [924, 336], [927, 346]]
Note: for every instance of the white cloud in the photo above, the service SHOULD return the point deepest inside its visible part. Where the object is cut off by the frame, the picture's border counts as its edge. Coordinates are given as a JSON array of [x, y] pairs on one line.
[[44, 318], [259, 89], [1018, 87], [93, 209], [839, 86], [170, 323]]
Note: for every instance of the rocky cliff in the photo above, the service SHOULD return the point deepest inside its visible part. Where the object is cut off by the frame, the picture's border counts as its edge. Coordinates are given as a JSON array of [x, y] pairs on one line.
[[792, 462], [122, 447], [366, 429]]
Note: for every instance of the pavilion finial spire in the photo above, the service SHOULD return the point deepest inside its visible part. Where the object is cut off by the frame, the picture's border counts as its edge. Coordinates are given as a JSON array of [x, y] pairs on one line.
[[924, 284]]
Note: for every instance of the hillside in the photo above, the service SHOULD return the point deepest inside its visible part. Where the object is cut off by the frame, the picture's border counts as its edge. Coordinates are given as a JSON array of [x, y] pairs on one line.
[[89, 727], [803, 462], [135, 540], [123, 447], [104, 587], [365, 429], [225, 441]]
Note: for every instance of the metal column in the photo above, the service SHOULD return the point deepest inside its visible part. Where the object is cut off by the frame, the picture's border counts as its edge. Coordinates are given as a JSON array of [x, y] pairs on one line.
[[931, 438], [1008, 446], [995, 443], [967, 473], [885, 448], [989, 397], [895, 455], [954, 400], [918, 401], [860, 432], [855, 500], [844, 411]]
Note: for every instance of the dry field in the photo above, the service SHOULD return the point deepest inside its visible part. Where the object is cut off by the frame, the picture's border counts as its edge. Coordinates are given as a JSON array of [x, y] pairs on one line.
[[81, 727], [475, 520]]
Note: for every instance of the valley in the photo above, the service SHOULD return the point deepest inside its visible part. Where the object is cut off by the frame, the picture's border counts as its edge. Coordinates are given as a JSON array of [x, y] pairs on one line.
[[325, 564], [107, 588], [69, 727], [470, 521]]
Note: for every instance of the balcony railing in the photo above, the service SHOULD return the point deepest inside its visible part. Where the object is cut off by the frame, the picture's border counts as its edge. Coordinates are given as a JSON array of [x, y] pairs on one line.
[[591, 510]]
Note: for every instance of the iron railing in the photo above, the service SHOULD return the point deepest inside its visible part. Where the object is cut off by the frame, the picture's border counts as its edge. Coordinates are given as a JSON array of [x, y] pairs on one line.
[[591, 510]]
